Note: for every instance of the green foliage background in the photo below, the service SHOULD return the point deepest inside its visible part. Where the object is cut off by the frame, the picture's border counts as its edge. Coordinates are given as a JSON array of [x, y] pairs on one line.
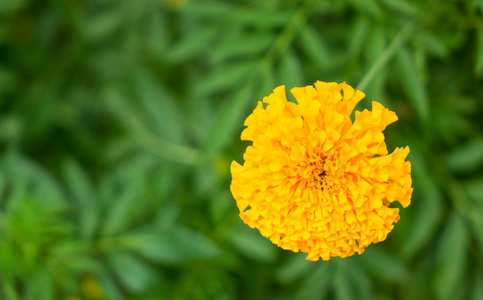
[[119, 120]]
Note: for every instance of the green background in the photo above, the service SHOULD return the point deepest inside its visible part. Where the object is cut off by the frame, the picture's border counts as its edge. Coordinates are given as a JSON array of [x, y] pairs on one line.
[[119, 121]]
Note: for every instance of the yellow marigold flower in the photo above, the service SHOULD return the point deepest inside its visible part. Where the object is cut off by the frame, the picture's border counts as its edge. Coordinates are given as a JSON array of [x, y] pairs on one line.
[[313, 180]]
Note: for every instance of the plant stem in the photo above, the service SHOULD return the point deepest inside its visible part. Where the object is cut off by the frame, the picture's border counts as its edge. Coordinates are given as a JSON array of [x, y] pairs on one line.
[[396, 43]]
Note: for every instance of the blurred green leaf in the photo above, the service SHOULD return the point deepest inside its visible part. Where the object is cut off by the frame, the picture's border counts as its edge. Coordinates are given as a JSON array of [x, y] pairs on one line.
[[8, 81], [39, 287], [315, 47], [479, 52], [158, 33], [141, 134], [375, 49], [136, 275], [451, 259], [224, 78], [295, 268], [263, 18], [358, 37], [84, 195], [429, 211], [412, 82], [267, 81], [241, 45], [370, 7], [160, 110], [9, 290], [477, 292], [474, 189], [30, 181], [171, 246], [109, 286], [249, 243], [214, 9], [103, 25], [118, 217], [316, 283], [290, 71], [360, 280], [191, 45], [221, 206], [434, 45], [384, 265], [466, 158], [200, 115], [229, 119], [82, 264], [78, 182], [11, 6], [402, 7], [342, 286]]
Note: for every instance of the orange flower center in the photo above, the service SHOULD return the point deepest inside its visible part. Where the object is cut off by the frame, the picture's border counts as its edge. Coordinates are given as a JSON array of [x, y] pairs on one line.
[[319, 174]]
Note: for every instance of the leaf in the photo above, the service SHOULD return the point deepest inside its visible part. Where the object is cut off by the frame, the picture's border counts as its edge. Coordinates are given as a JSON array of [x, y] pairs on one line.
[[104, 25], [412, 82], [29, 180], [214, 9], [375, 49], [241, 45], [40, 287], [383, 265], [159, 107], [108, 285], [229, 119], [157, 33], [8, 82], [263, 18], [434, 45], [174, 245], [474, 189], [402, 7], [467, 158], [316, 48], [425, 224], [229, 76], [84, 195], [135, 275], [359, 279], [81, 264], [3, 191], [191, 44], [428, 212], [342, 286], [78, 182], [369, 7], [291, 71], [200, 115], [221, 206], [119, 215], [316, 284], [477, 292], [249, 243], [451, 259], [295, 268], [358, 37], [266, 79], [8, 289], [11, 6], [479, 52]]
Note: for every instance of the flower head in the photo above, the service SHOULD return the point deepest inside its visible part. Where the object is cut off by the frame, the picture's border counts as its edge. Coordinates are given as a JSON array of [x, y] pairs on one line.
[[313, 180]]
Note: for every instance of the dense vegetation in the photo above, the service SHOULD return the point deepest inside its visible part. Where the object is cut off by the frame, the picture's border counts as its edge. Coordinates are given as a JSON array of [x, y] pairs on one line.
[[119, 120]]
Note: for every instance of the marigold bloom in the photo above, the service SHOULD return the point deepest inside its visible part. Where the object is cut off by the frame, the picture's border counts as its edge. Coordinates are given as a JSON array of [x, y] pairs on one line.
[[313, 180]]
